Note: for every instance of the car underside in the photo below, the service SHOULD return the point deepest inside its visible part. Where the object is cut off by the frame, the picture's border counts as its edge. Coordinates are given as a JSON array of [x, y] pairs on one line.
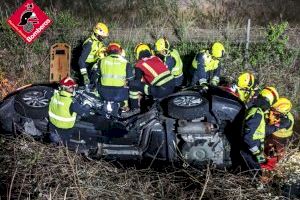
[[191, 126]]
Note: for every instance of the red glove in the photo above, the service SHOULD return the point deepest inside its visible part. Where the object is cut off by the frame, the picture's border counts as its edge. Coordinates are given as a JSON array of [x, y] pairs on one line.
[[270, 164]]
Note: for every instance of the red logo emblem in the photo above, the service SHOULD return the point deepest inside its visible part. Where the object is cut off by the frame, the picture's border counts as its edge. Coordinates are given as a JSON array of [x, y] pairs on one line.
[[29, 21]]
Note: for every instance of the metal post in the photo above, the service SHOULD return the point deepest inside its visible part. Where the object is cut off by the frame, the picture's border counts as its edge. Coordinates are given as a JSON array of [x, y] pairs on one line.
[[246, 58], [248, 36]]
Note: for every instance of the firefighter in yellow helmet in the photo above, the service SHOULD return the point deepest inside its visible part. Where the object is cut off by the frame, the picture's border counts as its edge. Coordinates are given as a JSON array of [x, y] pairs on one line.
[[246, 88], [206, 66], [171, 58], [93, 49], [152, 76], [254, 132], [114, 72], [279, 129], [280, 122]]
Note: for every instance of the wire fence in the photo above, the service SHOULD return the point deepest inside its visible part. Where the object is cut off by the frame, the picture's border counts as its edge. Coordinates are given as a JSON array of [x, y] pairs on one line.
[[191, 34]]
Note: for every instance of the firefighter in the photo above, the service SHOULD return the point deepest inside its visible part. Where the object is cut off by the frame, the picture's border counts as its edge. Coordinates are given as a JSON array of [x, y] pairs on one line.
[[255, 128], [63, 111], [206, 66], [171, 58], [114, 72], [279, 128], [93, 50], [246, 88], [152, 76]]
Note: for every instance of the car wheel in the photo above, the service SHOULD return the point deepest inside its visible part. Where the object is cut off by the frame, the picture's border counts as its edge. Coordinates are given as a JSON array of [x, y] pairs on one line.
[[187, 106], [33, 102]]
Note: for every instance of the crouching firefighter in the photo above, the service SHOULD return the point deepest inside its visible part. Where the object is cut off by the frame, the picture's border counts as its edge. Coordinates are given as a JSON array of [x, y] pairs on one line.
[[171, 58], [152, 76], [255, 129], [206, 66], [63, 111], [279, 128], [246, 88], [114, 71]]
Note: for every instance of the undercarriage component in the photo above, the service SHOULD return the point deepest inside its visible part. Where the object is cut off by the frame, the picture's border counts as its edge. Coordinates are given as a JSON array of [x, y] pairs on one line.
[[196, 127], [205, 149]]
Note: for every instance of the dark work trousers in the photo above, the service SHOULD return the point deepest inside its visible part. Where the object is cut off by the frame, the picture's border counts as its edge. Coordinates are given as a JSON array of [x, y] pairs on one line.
[[155, 91], [178, 80], [249, 160], [68, 137]]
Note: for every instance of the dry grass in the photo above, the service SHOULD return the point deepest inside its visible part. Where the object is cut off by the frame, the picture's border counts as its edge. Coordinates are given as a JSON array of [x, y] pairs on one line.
[[31, 170]]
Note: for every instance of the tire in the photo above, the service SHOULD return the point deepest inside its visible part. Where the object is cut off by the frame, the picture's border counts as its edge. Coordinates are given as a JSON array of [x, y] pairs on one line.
[[33, 102], [188, 106]]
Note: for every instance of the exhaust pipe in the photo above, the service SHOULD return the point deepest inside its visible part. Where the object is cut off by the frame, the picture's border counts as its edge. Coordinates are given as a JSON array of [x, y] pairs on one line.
[[196, 127]]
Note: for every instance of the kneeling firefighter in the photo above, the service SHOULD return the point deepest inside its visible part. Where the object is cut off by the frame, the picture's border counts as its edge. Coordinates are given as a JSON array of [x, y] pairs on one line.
[[171, 58], [206, 66], [63, 111], [152, 76], [279, 128], [114, 72], [255, 128]]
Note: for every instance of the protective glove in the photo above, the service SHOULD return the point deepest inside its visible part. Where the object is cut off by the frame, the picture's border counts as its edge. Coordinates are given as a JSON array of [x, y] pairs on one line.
[[215, 81], [204, 86], [86, 79], [88, 103], [261, 158]]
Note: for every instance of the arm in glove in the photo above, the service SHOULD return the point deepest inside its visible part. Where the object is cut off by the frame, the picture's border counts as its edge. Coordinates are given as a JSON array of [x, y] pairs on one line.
[[215, 80], [203, 84], [86, 79], [260, 158]]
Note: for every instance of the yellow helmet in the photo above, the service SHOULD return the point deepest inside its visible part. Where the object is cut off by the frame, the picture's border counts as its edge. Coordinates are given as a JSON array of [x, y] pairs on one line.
[[101, 29], [271, 94], [282, 105], [246, 80], [217, 50], [141, 47], [162, 44]]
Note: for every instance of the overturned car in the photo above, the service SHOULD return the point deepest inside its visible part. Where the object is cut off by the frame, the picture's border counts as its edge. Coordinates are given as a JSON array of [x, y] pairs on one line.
[[191, 126]]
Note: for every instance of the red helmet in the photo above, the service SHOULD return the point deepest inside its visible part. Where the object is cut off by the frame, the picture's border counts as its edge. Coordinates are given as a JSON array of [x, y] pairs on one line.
[[67, 82], [114, 48]]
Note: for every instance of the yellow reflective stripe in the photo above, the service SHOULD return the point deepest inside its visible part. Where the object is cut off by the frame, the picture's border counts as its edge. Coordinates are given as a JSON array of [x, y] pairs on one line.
[[113, 76], [133, 93], [146, 89], [159, 77], [283, 133], [63, 119], [165, 80], [150, 69], [133, 96]]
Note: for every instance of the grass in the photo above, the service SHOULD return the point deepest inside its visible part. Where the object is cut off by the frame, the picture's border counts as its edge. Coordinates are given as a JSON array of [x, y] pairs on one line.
[[31, 170]]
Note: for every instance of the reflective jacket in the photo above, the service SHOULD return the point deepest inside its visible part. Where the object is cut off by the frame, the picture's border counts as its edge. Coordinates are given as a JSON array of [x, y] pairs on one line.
[[59, 110], [93, 50], [209, 63], [255, 129], [176, 70], [245, 95], [288, 131], [155, 72], [206, 69], [96, 48], [113, 71]]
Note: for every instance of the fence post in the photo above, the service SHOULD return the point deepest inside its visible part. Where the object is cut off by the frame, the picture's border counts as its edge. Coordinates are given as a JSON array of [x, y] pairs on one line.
[[246, 58]]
